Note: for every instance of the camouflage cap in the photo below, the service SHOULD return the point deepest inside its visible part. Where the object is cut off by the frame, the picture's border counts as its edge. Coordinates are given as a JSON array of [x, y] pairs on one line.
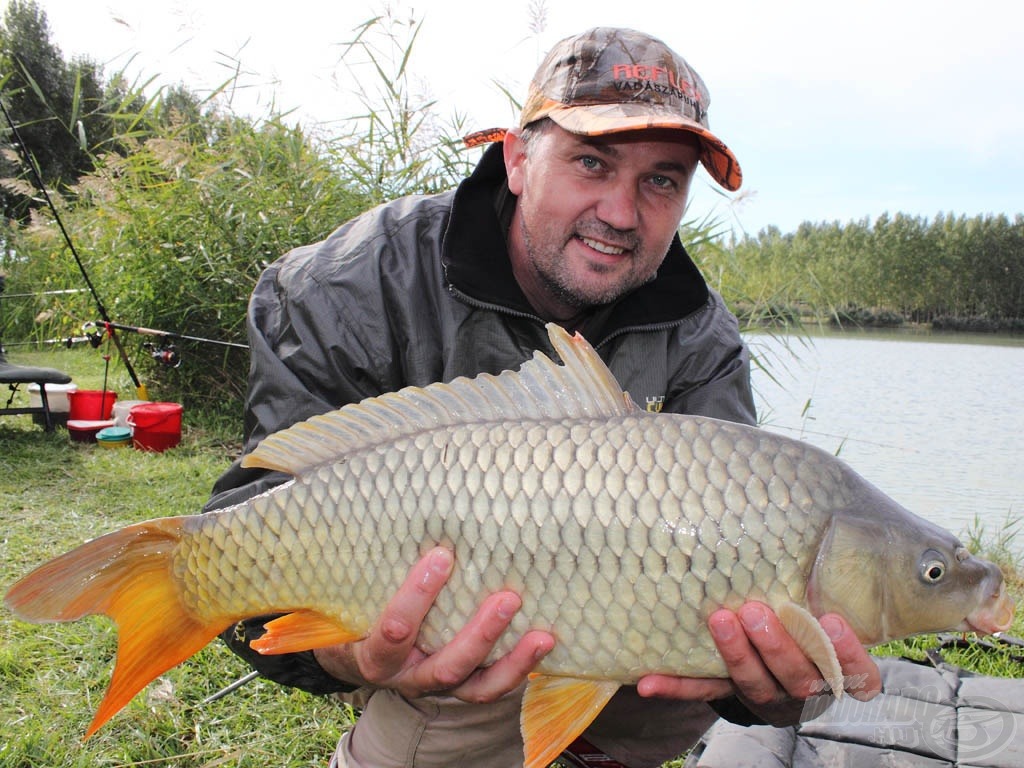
[[608, 80]]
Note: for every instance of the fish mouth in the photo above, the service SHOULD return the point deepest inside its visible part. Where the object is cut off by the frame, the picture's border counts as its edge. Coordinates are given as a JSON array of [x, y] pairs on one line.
[[995, 616]]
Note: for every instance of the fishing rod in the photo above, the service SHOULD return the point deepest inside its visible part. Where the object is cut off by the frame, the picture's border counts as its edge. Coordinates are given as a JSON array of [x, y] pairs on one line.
[[163, 334], [166, 355], [94, 332], [43, 293], [140, 388], [93, 339]]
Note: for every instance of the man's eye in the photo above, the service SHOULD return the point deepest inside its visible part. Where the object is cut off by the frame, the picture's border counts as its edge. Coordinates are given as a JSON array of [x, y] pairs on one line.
[[663, 181], [590, 163]]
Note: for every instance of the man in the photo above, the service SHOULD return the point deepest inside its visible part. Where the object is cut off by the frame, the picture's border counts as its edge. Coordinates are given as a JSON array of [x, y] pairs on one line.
[[572, 218]]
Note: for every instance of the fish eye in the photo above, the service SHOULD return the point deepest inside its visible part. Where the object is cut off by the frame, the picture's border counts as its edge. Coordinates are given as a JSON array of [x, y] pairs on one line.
[[933, 571], [933, 567]]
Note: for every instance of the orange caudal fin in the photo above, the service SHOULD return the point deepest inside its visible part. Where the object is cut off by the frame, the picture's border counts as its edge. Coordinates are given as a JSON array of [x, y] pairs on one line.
[[127, 576]]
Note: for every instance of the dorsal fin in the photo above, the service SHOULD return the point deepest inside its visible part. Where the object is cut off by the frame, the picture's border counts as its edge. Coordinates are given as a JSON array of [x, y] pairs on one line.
[[540, 389]]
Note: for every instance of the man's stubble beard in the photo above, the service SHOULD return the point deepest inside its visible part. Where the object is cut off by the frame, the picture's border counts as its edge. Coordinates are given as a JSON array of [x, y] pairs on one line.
[[553, 272]]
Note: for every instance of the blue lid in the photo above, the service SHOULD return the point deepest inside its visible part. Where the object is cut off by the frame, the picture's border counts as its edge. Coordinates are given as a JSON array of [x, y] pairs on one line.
[[114, 434]]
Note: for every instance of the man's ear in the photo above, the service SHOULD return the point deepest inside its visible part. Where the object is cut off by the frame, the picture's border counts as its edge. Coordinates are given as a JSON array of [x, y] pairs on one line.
[[515, 160]]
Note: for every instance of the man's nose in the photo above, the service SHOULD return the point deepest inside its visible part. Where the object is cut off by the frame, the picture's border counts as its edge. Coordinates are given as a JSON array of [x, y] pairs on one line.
[[618, 208]]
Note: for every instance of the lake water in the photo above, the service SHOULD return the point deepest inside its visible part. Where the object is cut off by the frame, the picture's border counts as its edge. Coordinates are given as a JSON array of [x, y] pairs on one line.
[[934, 420]]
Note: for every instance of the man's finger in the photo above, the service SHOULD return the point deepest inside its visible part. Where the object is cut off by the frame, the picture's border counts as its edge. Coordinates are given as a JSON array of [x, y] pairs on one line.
[[749, 675], [684, 688], [777, 654], [385, 650], [508, 672], [861, 676], [451, 665]]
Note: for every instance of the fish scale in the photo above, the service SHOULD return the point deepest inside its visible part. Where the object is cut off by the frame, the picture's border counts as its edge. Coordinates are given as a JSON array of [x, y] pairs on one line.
[[590, 552], [621, 530]]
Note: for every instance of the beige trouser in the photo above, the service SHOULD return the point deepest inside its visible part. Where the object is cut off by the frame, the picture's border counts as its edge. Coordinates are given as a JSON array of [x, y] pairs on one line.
[[440, 732]]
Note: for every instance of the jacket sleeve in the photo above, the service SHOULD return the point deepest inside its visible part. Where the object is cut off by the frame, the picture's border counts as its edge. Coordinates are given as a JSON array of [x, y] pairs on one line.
[[710, 368], [289, 365]]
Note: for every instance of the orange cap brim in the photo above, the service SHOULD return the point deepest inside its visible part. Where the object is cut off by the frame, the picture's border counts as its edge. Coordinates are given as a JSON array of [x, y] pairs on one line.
[[717, 159], [604, 119]]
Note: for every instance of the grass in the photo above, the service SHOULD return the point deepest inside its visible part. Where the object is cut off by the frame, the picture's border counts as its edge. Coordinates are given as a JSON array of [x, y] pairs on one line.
[[55, 493]]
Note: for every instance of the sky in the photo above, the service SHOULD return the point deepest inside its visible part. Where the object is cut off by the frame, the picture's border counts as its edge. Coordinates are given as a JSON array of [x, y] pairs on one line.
[[836, 111]]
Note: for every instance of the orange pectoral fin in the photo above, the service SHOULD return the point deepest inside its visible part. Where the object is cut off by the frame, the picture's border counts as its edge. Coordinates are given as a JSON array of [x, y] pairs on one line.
[[302, 631], [555, 711]]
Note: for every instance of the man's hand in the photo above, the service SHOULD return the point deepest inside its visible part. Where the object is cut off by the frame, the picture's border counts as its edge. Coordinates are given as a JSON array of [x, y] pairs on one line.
[[767, 669], [388, 657]]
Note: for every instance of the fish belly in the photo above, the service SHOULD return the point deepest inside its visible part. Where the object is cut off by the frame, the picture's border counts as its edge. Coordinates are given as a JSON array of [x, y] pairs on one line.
[[621, 535]]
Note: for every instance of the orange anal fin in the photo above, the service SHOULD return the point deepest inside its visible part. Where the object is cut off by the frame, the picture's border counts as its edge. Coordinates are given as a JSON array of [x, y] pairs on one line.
[[301, 631], [555, 711]]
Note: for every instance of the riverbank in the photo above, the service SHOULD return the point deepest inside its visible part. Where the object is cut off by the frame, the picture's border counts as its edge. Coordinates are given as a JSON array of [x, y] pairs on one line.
[[794, 318]]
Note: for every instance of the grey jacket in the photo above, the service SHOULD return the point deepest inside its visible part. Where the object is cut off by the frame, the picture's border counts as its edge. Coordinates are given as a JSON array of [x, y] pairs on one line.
[[421, 290]]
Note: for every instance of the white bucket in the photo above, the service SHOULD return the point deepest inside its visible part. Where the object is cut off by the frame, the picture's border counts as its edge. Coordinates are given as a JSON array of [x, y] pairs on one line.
[[56, 396], [121, 411]]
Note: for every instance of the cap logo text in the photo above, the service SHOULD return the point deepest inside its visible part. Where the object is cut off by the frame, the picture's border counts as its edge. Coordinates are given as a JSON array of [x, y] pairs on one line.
[[660, 80], [654, 74]]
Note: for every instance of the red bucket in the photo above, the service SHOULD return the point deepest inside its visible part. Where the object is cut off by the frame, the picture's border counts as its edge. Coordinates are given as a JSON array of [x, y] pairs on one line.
[[155, 426], [91, 404]]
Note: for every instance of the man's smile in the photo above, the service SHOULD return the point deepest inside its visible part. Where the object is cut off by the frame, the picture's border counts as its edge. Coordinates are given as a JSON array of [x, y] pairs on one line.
[[600, 247]]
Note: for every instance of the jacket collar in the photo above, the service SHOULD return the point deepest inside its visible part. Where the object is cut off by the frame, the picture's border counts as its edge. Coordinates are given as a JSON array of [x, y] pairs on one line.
[[477, 265]]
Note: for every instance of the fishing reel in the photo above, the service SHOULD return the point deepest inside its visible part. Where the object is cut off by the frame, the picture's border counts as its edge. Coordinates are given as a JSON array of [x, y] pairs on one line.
[[165, 355], [93, 333]]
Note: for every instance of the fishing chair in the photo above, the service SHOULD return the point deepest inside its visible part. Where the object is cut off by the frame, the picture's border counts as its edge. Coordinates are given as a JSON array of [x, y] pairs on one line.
[[15, 375]]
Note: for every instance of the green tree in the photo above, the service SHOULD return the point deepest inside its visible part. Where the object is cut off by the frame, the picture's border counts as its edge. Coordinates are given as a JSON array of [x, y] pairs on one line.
[[900, 267], [63, 110]]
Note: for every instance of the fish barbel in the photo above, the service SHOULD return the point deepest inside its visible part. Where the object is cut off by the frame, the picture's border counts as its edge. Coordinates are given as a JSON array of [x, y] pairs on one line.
[[621, 530]]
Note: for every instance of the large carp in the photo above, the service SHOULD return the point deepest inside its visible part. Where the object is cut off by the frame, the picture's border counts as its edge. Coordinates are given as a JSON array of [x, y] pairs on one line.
[[621, 530]]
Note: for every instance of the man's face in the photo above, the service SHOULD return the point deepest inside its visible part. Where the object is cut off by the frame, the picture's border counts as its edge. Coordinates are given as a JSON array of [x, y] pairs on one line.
[[595, 215]]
